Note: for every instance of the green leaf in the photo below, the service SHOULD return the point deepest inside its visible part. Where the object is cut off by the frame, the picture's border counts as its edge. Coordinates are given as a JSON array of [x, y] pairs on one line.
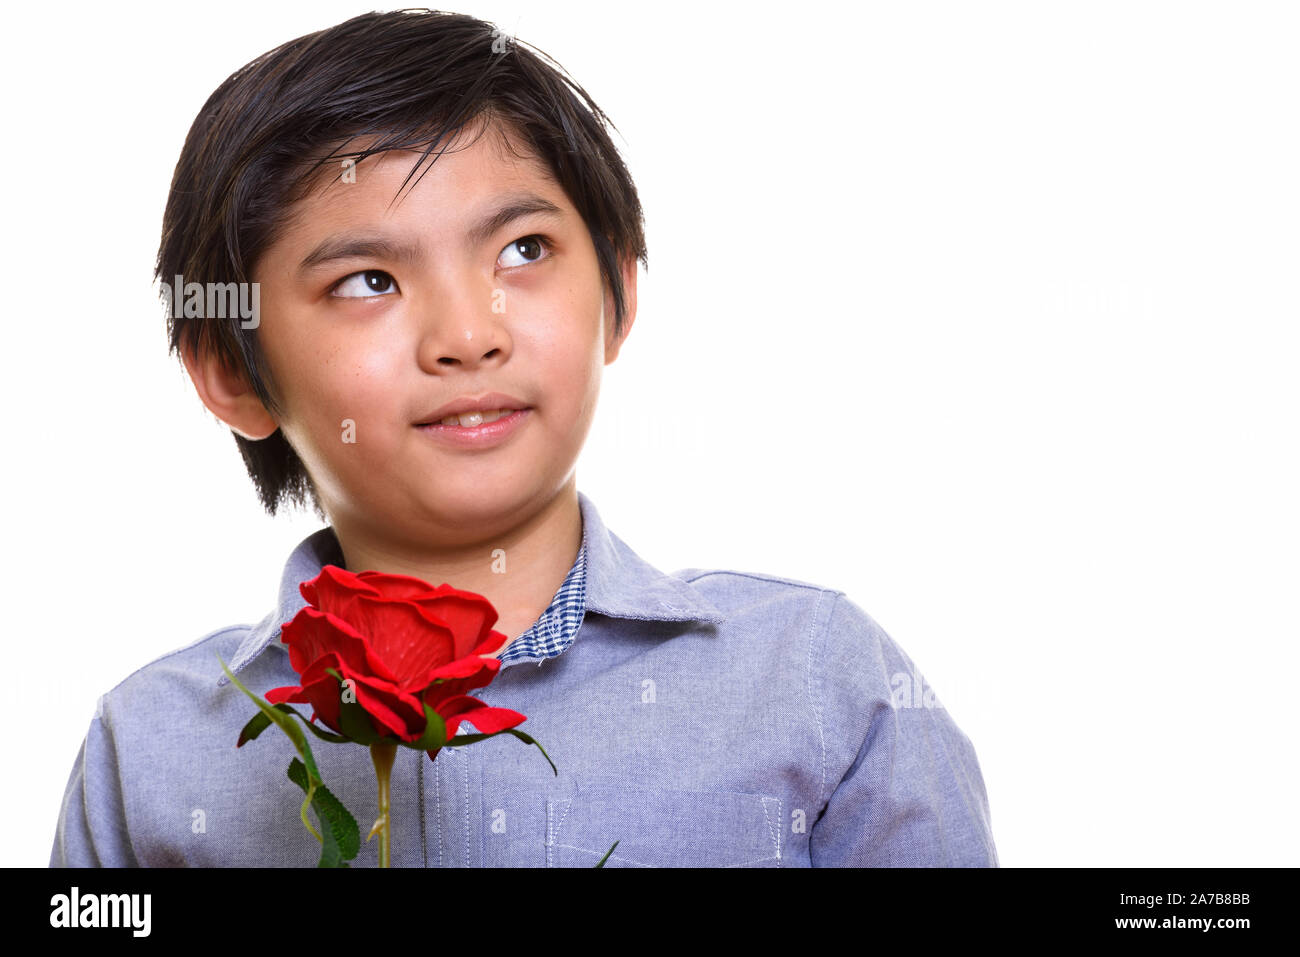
[[256, 725], [461, 739], [286, 723], [607, 853], [260, 722], [342, 837], [435, 732], [311, 726], [289, 727], [354, 720]]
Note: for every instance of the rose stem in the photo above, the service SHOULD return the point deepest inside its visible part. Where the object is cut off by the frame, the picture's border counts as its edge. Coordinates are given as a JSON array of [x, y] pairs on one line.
[[382, 753]]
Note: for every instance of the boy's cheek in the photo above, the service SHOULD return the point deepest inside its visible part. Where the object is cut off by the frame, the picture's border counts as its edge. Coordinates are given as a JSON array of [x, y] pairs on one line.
[[353, 383], [343, 438]]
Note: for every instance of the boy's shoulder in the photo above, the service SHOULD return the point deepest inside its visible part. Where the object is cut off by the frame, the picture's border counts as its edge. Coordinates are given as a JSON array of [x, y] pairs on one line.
[[734, 591], [843, 642], [740, 579], [760, 607], [181, 678], [737, 592], [760, 599], [190, 675]]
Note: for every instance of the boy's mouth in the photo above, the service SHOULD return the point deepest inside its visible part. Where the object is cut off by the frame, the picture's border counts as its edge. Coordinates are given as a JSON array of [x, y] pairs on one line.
[[472, 420], [476, 430], [473, 411]]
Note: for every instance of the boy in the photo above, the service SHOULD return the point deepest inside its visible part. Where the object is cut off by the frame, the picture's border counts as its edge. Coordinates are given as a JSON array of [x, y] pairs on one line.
[[444, 241]]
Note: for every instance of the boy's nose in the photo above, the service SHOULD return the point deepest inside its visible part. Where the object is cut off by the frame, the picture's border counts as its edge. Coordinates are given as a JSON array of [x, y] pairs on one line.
[[466, 336]]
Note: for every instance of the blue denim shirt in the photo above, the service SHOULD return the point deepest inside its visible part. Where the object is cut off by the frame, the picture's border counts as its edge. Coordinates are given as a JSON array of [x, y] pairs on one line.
[[705, 718]]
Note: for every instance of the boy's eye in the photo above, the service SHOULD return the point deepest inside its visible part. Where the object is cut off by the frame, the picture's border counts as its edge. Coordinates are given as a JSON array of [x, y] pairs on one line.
[[371, 282], [376, 282], [527, 250]]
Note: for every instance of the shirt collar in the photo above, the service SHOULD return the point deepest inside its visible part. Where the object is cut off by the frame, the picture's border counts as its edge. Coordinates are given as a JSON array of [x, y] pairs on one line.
[[619, 584]]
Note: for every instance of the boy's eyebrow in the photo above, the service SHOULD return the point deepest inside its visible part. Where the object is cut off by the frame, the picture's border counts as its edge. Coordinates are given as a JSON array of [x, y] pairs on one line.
[[354, 247]]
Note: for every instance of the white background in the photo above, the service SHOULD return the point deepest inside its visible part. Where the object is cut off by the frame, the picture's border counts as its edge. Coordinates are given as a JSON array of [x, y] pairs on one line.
[[985, 313]]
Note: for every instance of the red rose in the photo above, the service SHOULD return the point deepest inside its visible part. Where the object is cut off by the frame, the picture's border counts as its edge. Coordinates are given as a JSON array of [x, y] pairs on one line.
[[402, 643]]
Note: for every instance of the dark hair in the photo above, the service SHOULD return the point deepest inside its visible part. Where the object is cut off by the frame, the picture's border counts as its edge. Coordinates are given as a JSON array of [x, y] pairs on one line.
[[410, 79]]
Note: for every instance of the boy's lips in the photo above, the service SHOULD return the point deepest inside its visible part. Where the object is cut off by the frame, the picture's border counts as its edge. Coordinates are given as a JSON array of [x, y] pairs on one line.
[[485, 435], [483, 403]]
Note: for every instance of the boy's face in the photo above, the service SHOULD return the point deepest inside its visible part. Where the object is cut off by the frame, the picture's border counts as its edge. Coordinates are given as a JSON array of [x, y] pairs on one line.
[[366, 346]]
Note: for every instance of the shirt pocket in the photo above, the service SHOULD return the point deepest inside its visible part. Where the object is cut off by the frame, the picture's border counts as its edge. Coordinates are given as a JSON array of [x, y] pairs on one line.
[[659, 827]]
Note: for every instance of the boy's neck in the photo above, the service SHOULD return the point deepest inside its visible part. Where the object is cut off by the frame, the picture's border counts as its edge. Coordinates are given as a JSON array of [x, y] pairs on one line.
[[518, 569]]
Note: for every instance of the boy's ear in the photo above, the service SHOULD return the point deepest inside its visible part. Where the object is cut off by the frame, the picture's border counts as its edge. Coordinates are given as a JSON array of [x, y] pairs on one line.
[[612, 343], [227, 394]]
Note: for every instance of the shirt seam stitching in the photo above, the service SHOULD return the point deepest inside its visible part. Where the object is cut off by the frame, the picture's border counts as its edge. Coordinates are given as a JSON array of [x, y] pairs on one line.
[[756, 576], [424, 836], [815, 696]]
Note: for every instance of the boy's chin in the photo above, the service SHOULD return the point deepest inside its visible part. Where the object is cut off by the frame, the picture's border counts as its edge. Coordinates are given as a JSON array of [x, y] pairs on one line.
[[473, 506]]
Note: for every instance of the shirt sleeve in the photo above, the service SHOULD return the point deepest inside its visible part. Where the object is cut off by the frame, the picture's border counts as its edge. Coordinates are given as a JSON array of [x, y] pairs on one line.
[[912, 794], [92, 829]]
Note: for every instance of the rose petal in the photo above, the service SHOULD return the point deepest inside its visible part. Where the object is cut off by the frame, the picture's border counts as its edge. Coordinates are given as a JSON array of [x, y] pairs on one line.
[[276, 695], [469, 616], [332, 580], [490, 645], [305, 695], [485, 719], [322, 689], [403, 637], [392, 710], [312, 634], [404, 587], [464, 674]]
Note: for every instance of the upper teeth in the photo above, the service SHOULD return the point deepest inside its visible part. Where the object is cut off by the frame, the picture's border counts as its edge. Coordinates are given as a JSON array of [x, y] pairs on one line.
[[471, 419]]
